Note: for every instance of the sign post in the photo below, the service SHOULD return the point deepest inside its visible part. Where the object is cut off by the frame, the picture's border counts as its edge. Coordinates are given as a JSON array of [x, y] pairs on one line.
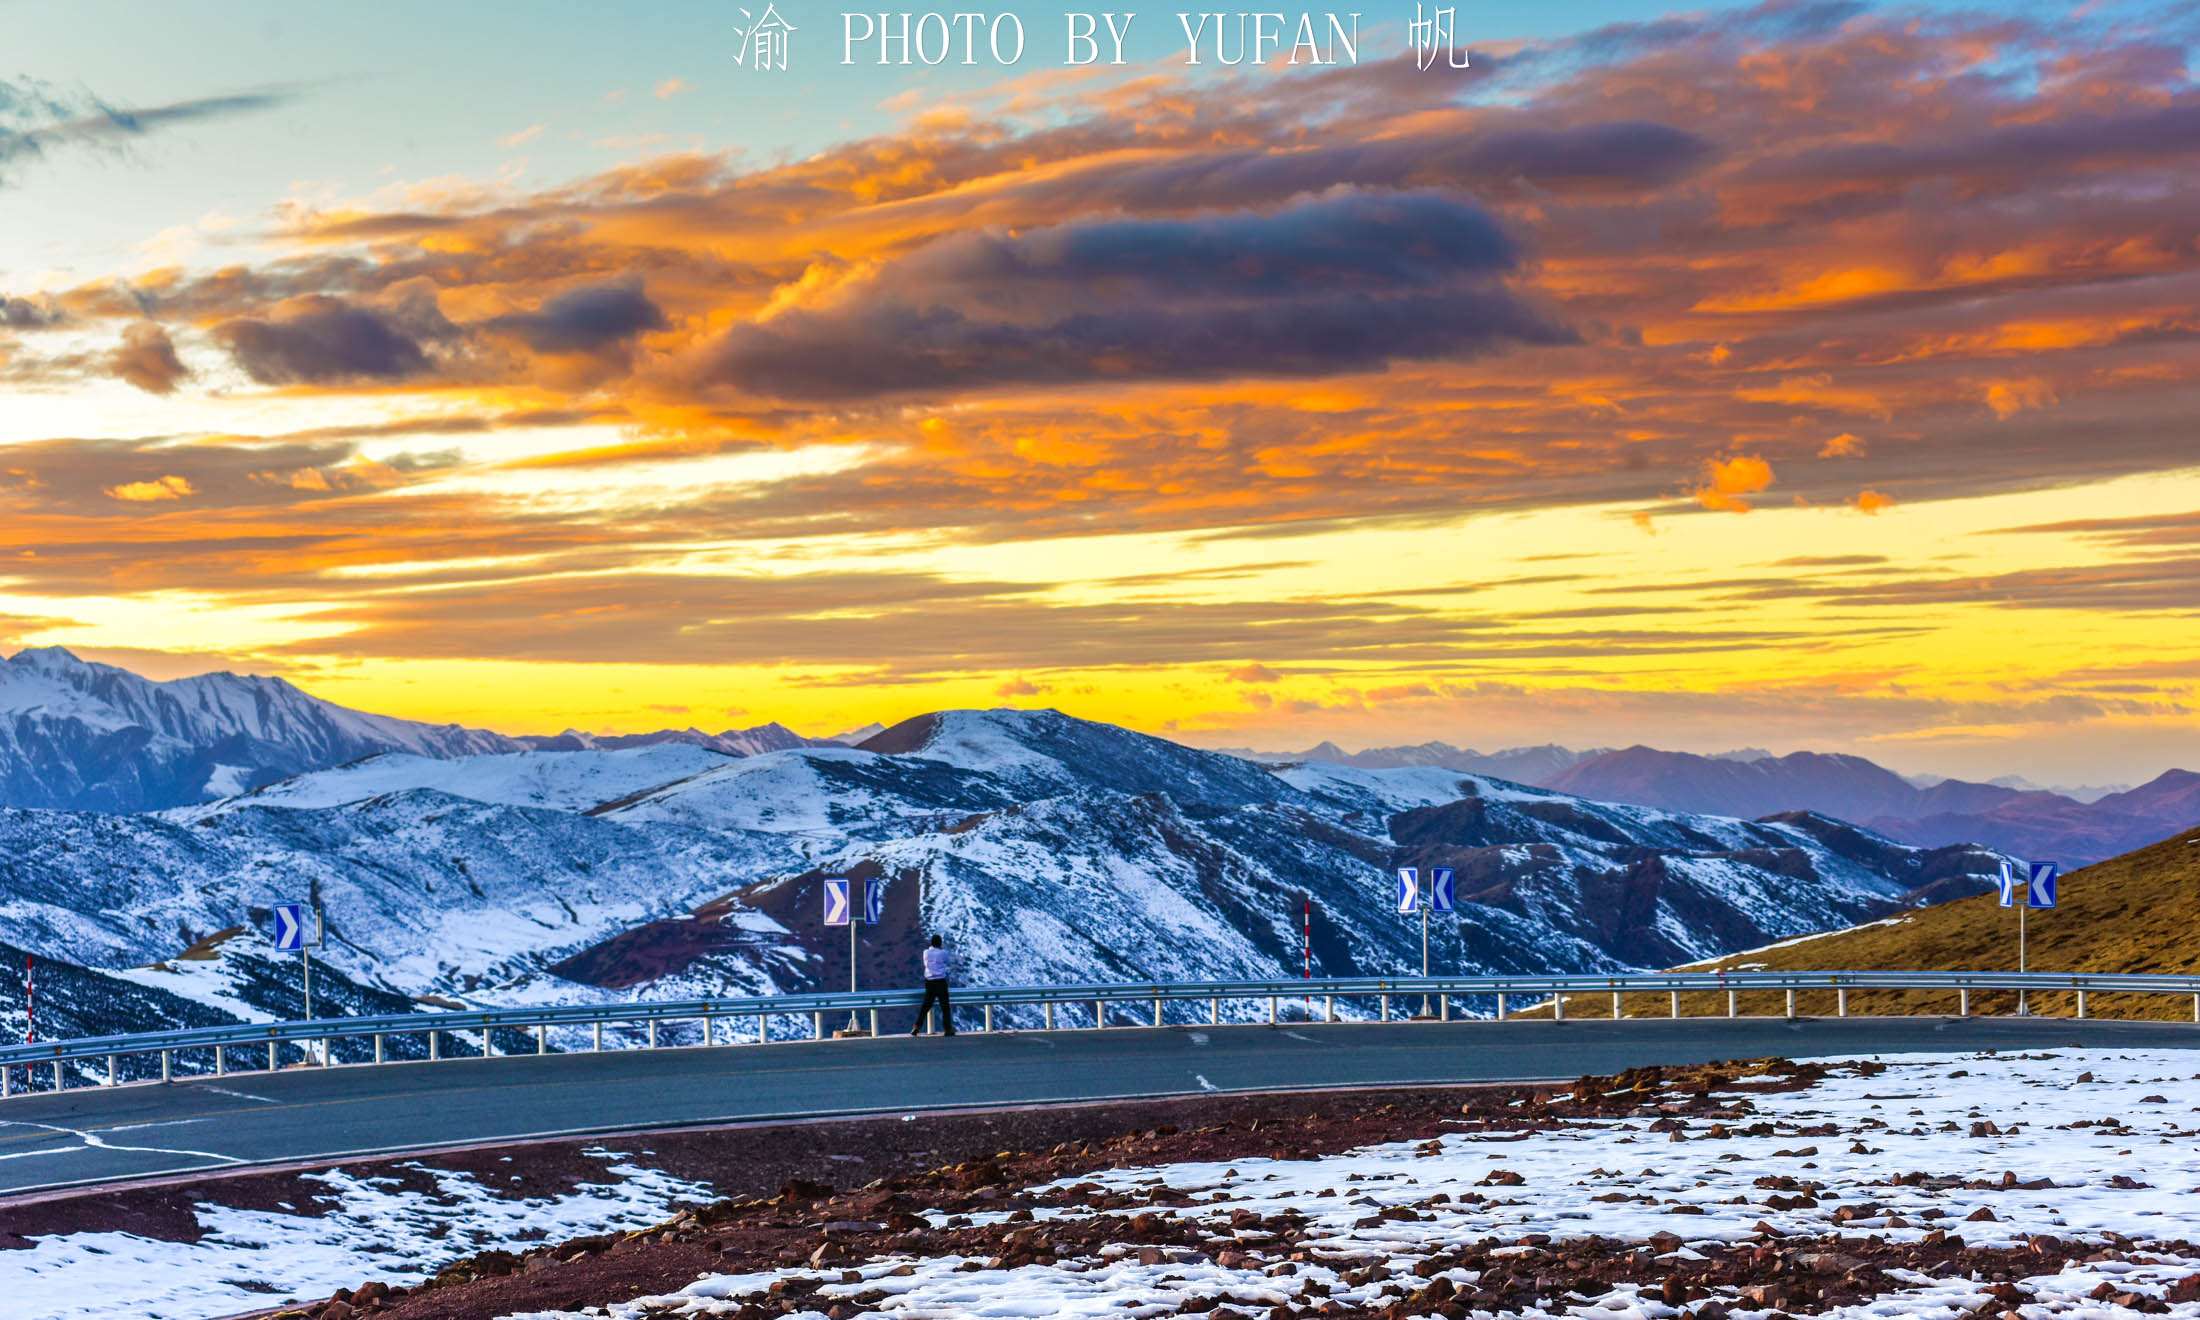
[[1409, 901], [839, 911], [2039, 892], [298, 929]]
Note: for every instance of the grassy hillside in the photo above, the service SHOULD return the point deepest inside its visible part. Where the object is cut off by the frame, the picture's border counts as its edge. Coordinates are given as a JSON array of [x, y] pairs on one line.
[[2136, 913]]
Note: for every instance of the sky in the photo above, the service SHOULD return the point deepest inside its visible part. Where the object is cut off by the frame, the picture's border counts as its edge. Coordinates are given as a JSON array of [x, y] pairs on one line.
[[1802, 375]]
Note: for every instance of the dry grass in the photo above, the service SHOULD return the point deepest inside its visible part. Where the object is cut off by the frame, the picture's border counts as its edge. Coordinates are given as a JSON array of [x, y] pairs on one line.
[[2136, 913]]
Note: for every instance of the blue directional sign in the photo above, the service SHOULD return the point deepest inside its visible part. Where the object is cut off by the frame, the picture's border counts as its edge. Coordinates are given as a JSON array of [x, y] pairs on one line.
[[874, 901], [295, 928], [2007, 883], [836, 902], [1409, 889], [2040, 893], [1439, 889]]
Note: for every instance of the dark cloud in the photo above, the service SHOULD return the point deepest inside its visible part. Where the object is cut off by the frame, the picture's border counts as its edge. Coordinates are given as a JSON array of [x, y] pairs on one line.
[[1337, 284], [2156, 134], [28, 313], [147, 358], [318, 340], [585, 320], [36, 117]]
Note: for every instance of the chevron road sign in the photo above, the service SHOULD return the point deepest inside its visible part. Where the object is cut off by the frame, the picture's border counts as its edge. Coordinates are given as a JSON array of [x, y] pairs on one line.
[[1409, 889], [1439, 889], [874, 901], [2040, 892], [2006, 882], [836, 902], [296, 930]]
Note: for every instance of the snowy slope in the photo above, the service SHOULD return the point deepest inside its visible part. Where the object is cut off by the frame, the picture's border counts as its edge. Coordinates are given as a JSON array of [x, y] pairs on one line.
[[562, 781], [423, 892], [87, 736]]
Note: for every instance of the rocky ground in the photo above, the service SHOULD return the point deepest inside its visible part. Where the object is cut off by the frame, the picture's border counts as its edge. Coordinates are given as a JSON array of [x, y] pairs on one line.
[[1954, 1187]]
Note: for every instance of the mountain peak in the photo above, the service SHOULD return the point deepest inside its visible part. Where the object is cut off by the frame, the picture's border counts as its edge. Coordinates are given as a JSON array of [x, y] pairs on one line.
[[49, 659]]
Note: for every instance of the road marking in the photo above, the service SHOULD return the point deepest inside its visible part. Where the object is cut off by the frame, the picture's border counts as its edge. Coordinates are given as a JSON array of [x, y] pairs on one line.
[[1204, 1084], [241, 1095], [93, 1141], [1200, 1038]]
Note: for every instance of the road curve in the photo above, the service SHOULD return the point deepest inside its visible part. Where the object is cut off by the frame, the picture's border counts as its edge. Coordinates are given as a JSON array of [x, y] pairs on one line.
[[319, 1115]]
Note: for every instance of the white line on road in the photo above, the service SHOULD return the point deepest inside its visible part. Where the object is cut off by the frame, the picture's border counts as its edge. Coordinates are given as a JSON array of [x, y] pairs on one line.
[[94, 1141], [1204, 1084]]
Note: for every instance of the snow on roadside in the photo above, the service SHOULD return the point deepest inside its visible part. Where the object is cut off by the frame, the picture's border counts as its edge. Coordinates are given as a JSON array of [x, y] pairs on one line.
[[367, 1228], [2113, 1133]]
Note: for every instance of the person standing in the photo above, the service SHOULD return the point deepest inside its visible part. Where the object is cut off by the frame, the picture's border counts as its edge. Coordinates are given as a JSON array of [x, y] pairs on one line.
[[936, 965]]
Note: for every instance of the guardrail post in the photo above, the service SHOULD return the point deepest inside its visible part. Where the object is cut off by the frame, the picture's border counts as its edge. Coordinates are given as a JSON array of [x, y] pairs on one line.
[[435, 1045], [2196, 1008], [1616, 1013], [542, 1038], [1676, 1003], [1443, 1008], [167, 1069], [817, 1025], [1791, 1003], [7, 1082], [1099, 1014], [1271, 1010], [1050, 1014], [1214, 1011], [710, 1025], [1157, 1010], [988, 1017], [1329, 1008], [1841, 1001], [1558, 1007], [2081, 1003], [1963, 1002], [113, 1077], [58, 1085], [271, 1045], [874, 1024], [598, 1042], [1732, 1007], [378, 1051], [652, 1033], [221, 1061]]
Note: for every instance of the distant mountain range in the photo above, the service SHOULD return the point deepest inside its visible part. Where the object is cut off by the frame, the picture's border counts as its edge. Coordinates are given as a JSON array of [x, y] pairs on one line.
[[2032, 824], [2007, 814]]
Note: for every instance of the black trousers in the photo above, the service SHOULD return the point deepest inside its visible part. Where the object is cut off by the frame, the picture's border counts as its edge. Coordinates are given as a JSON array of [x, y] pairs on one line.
[[935, 992]]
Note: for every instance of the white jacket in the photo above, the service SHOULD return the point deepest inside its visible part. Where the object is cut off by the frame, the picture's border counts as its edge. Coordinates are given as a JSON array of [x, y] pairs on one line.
[[936, 963]]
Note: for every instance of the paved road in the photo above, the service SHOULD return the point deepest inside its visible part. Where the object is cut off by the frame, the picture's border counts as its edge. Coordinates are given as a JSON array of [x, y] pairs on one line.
[[94, 1135]]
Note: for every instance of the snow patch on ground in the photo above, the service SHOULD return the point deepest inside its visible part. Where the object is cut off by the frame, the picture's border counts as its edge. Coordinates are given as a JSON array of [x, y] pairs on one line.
[[2114, 1132], [373, 1228]]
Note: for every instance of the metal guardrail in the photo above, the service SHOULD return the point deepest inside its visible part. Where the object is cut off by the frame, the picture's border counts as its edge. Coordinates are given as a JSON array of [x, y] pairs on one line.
[[310, 1038]]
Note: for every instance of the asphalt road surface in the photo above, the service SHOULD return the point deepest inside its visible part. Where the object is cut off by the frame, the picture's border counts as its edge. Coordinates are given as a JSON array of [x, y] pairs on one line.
[[312, 1115]]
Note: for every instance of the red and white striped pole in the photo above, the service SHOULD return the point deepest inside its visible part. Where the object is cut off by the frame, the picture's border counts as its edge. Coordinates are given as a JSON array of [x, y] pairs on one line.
[[30, 1005]]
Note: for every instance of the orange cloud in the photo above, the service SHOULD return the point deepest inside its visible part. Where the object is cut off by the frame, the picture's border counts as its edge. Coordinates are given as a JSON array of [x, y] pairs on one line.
[[1727, 482], [145, 492]]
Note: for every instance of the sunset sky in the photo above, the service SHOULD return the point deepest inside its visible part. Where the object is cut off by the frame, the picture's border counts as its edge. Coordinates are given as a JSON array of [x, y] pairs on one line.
[[1807, 375]]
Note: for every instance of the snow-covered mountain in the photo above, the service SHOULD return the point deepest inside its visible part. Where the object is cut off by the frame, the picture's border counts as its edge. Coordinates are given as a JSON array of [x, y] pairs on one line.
[[733, 742], [83, 736], [1044, 847]]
